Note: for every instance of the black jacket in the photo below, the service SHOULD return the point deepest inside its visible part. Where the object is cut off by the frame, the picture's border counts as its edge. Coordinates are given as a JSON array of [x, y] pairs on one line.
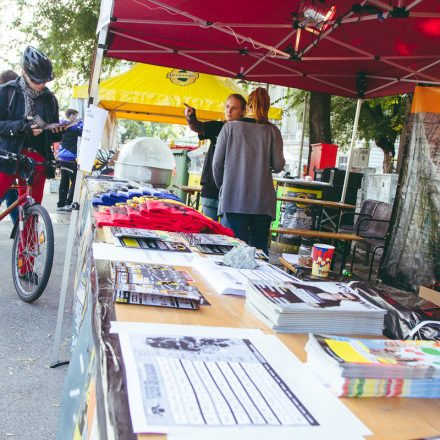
[[12, 136]]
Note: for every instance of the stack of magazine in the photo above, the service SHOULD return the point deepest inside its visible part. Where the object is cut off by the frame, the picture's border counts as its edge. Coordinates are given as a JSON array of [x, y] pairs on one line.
[[211, 243], [376, 367], [148, 239], [155, 285], [297, 306]]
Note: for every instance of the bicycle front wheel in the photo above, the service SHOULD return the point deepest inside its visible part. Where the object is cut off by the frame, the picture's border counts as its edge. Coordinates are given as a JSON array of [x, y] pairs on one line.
[[32, 254]]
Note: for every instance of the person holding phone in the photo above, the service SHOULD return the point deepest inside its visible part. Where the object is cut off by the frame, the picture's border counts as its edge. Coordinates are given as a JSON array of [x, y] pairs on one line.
[[20, 101], [235, 108]]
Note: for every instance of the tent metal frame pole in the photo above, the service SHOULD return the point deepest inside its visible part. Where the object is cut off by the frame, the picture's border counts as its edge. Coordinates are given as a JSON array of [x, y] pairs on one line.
[[220, 28], [350, 154], [93, 87], [168, 50], [405, 78], [289, 35], [301, 146]]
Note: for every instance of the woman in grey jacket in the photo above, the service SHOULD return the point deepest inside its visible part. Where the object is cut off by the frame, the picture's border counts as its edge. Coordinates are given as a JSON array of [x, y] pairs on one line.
[[247, 152]]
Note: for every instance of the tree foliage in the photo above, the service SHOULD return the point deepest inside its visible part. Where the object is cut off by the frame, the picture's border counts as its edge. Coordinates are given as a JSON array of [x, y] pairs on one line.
[[131, 129], [381, 119], [66, 31]]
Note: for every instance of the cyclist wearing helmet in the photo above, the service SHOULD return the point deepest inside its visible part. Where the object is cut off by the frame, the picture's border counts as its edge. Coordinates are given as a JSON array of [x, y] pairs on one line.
[[26, 107], [22, 101]]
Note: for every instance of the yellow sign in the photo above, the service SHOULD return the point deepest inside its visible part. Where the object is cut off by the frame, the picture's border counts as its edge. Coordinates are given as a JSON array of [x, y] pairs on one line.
[[182, 77]]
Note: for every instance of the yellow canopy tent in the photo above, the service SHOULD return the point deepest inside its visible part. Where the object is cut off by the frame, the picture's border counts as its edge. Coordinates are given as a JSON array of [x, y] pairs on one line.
[[154, 93]]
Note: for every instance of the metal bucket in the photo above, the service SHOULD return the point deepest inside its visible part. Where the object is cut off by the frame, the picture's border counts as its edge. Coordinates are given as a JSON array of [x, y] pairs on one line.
[[157, 177]]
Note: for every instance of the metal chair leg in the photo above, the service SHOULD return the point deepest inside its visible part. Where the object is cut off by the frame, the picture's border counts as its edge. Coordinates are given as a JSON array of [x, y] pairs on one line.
[[352, 258], [372, 262]]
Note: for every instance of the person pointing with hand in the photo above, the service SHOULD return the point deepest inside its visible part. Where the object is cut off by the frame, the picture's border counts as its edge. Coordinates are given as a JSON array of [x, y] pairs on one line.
[[235, 108]]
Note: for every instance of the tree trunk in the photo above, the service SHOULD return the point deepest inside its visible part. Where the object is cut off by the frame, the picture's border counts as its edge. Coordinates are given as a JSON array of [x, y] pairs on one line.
[[319, 120], [404, 133], [387, 146]]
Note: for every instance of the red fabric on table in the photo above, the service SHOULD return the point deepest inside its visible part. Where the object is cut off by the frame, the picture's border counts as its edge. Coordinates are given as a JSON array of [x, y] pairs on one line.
[[161, 215]]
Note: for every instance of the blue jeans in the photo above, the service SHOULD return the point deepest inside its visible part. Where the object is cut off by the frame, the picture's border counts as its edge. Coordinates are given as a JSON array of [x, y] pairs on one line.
[[10, 197], [253, 229], [209, 208]]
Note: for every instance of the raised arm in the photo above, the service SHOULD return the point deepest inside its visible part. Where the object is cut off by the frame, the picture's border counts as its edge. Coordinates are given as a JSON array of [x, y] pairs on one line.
[[193, 122]]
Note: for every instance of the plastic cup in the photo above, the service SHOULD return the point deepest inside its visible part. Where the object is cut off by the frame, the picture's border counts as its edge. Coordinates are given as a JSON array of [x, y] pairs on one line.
[[322, 256]]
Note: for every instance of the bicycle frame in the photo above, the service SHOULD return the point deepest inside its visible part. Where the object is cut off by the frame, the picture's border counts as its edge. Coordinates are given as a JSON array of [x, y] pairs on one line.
[[24, 199]]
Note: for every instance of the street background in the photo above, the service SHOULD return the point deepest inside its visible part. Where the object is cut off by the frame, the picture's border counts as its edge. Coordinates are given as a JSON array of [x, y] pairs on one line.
[[30, 390]]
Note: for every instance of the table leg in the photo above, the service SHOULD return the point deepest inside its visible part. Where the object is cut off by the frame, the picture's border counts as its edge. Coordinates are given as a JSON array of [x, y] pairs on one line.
[[320, 217]]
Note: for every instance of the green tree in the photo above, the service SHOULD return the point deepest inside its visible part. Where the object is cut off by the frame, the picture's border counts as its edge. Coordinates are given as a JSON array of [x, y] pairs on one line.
[[131, 129], [381, 120], [66, 31]]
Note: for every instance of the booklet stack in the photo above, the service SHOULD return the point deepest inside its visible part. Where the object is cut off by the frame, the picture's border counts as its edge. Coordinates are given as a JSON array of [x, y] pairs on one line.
[[148, 239], [155, 285], [376, 367], [214, 244], [226, 280], [306, 307]]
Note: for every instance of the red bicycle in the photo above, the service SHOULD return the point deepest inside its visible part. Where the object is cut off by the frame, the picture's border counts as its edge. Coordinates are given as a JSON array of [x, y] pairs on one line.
[[33, 248]]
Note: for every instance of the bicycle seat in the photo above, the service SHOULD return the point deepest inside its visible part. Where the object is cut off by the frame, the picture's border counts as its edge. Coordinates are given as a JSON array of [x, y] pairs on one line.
[[25, 167]]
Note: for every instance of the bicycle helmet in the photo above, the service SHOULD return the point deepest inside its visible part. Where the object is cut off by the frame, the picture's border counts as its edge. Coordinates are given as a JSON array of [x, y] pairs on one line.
[[37, 65]]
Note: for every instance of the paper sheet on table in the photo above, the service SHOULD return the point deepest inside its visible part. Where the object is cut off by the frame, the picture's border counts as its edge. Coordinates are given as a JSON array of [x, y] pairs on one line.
[[110, 252], [291, 258], [176, 329], [232, 281], [259, 433], [178, 382], [94, 122]]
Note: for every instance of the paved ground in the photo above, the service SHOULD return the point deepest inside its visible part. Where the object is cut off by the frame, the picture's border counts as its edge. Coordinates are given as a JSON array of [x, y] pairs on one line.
[[30, 390]]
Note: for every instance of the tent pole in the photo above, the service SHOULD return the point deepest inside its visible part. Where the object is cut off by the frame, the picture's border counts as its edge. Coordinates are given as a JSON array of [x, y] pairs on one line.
[[93, 95], [353, 139], [301, 146]]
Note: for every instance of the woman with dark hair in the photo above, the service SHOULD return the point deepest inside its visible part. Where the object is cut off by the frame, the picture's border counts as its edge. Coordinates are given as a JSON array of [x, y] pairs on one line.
[[248, 151], [235, 108]]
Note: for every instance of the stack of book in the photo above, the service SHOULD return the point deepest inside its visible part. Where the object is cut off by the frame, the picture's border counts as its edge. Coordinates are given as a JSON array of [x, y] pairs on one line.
[[297, 306], [376, 367], [148, 239], [155, 285], [214, 244], [226, 280]]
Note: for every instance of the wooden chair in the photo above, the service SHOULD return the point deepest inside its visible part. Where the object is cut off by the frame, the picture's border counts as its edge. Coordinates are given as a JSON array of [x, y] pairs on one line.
[[374, 232]]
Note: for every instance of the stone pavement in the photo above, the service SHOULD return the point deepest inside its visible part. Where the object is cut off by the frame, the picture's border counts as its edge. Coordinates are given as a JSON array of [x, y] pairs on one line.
[[30, 390]]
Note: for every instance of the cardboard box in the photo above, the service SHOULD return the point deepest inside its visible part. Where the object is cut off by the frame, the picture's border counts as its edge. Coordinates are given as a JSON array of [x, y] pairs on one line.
[[430, 294]]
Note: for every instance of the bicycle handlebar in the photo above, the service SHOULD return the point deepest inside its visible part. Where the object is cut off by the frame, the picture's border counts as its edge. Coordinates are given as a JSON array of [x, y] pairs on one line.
[[14, 157]]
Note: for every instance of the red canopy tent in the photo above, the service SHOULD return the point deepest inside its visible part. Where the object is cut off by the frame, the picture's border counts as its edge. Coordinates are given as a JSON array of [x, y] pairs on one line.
[[341, 47], [361, 50]]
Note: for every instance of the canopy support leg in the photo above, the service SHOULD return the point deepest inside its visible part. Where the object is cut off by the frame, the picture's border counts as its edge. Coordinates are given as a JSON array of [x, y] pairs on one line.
[[93, 95], [350, 153]]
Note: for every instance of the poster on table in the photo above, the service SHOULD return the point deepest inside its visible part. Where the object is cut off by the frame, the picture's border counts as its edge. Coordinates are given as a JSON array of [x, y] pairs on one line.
[[209, 378]]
